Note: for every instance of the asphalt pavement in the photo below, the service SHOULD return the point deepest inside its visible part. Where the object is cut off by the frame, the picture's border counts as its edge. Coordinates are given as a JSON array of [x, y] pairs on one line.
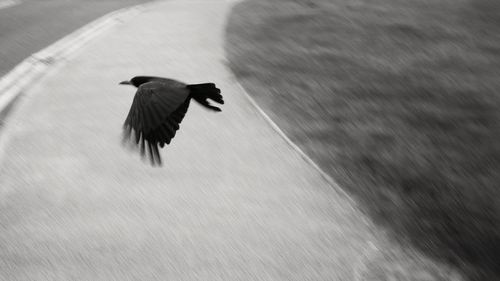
[[233, 201], [26, 26]]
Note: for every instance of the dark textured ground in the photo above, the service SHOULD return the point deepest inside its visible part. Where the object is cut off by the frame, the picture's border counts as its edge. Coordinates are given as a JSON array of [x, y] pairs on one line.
[[398, 101]]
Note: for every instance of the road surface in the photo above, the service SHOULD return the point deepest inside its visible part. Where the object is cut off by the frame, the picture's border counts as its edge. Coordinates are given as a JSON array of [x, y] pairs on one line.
[[27, 26]]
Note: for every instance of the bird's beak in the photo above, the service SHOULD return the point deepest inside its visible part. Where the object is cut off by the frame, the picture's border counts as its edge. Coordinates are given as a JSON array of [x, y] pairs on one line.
[[125, 83]]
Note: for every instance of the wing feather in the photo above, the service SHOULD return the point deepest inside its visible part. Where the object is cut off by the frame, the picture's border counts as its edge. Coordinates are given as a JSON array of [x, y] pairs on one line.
[[154, 117], [168, 129]]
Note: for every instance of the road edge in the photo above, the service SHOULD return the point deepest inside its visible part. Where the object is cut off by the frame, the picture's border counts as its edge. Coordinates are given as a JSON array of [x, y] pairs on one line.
[[34, 67]]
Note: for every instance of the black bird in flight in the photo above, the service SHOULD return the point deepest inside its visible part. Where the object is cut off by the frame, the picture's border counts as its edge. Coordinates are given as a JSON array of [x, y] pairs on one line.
[[158, 108]]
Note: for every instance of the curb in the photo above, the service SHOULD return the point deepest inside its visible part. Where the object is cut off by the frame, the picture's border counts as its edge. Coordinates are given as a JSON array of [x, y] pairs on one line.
[[36, 65], [330, 181]]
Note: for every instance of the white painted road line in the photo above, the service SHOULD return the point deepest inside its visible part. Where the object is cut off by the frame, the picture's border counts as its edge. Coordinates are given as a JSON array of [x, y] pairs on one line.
[[9, 3], [35, 66]]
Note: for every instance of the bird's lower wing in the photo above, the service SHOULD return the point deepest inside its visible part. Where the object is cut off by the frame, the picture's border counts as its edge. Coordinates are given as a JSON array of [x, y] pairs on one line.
[[149, 142], [164, 133]]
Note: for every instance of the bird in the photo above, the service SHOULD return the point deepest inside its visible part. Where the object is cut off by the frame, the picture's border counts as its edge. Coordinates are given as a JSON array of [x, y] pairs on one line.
[[158, 107]]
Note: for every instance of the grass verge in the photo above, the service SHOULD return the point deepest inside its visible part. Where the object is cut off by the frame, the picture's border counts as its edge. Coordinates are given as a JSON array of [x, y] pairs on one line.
[[398, 100]]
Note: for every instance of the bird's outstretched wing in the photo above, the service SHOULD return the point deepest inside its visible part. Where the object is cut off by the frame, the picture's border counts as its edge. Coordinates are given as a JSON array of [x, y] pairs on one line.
[[154, 117], [164, 133]]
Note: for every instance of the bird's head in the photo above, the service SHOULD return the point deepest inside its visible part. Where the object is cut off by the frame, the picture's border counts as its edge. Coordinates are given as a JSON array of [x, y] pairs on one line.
[[138, 80]]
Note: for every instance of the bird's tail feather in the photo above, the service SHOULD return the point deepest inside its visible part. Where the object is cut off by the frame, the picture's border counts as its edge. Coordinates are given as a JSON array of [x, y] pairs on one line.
[[202, 92]]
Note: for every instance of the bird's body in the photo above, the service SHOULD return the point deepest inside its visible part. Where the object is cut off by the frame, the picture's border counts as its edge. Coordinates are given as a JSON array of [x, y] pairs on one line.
[[158, 108]]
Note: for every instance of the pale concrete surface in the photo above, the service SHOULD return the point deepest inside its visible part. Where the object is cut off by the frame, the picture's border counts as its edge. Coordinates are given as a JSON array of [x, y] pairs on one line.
[[233, 201]]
